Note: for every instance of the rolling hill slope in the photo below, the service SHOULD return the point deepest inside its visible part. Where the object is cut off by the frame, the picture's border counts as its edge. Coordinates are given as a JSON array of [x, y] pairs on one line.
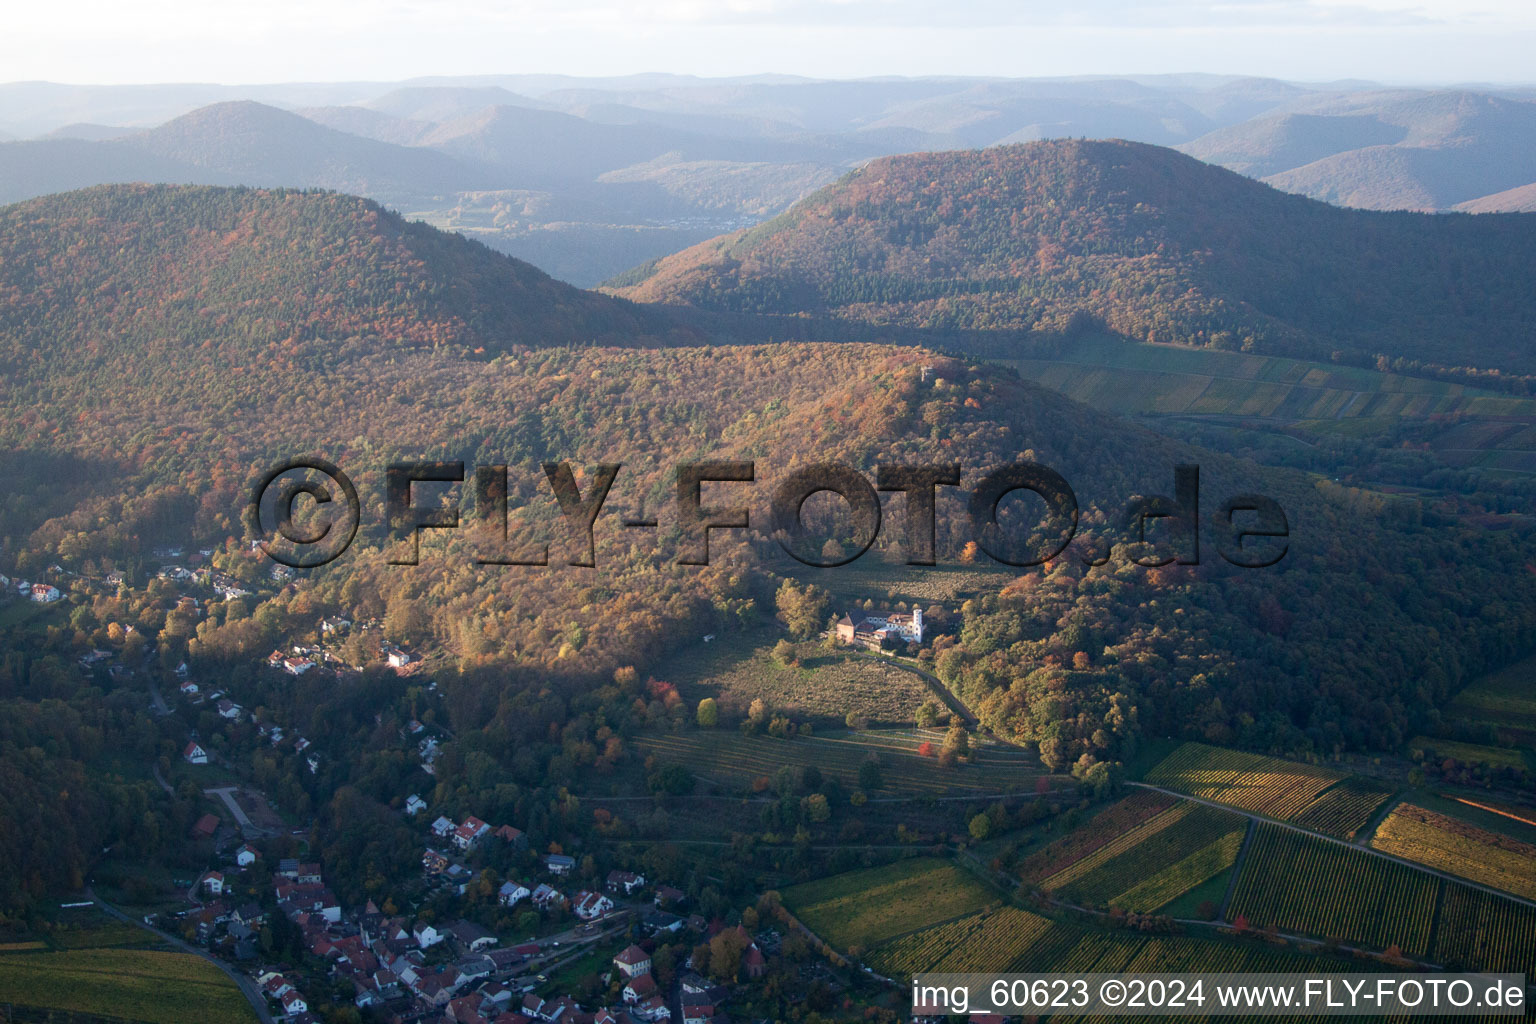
[[1155, 245]]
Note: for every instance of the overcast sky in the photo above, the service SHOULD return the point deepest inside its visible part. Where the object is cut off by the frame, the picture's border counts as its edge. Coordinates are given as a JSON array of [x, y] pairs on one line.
[[248, 41]]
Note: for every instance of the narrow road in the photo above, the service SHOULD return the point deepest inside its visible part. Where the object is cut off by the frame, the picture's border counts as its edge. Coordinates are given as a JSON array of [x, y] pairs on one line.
[[247, 986], [1342, 842], [155, 768], [1237, 869]]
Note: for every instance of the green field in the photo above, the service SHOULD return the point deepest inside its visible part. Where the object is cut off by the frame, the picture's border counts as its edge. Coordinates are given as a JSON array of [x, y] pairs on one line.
[[1289, 395], [865, 908], [736, 760], [1503, 703], [1468, 753], [738, 668], [141, 985]]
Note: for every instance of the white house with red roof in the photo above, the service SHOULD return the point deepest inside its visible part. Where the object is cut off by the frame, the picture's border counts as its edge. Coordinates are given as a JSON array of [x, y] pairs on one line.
[[633, 961], [471, 832], [589, 906], [195, 754]]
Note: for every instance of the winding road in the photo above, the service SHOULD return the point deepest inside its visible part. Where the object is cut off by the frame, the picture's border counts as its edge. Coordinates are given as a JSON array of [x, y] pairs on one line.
[[246, 985]]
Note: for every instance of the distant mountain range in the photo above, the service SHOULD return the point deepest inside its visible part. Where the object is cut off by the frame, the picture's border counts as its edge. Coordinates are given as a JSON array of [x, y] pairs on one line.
[[1383, 151], [1050, 237], [587, 177]]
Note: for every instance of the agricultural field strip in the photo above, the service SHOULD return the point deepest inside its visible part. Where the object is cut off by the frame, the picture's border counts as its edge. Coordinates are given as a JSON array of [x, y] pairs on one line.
[[1379, 903], [1344, 843], [1120, 844], [953, 945], [1495, 934], [174, 987], [1471, 752], [1321, 798], [1176, 879], [877, 904], [1433, 839], [737, 756]]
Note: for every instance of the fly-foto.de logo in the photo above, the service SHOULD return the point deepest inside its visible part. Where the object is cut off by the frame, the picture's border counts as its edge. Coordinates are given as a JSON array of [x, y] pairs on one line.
[[305, 512]]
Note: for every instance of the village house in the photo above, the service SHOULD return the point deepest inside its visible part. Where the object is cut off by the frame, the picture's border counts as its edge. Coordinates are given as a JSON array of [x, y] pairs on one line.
[[559, 863], [633, 961], [213, 881], [639, 988], [42, 593], [589, 906], [414, 805], [194, 754], [546, 896], [246, 856], [624, 881], [470, 832], [511, 893]]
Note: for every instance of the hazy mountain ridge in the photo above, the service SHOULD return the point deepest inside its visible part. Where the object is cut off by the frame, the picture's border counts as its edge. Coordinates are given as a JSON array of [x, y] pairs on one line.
[[609, 173], [1154, 244], [1388, 150]]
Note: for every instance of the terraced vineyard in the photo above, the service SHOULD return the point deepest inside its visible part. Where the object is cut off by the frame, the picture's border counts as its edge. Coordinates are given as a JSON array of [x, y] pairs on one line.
[[1011, 940], [735, 760], [1088, 838], [1504, 701], [1481, 931], [864, 908], [1318, 798], [1343, 810], [142, 985], [979, 942], [1156, 862], [1458, 848], [1301, 884]]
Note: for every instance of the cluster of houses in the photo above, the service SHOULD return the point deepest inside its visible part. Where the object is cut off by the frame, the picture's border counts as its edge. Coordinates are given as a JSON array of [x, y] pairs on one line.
[[455, 972], [196, 753], [42, 593]]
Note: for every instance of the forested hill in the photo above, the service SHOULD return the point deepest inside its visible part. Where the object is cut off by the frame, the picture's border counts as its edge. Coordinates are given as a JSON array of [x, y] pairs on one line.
[[1154, 244], [118, 275]]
